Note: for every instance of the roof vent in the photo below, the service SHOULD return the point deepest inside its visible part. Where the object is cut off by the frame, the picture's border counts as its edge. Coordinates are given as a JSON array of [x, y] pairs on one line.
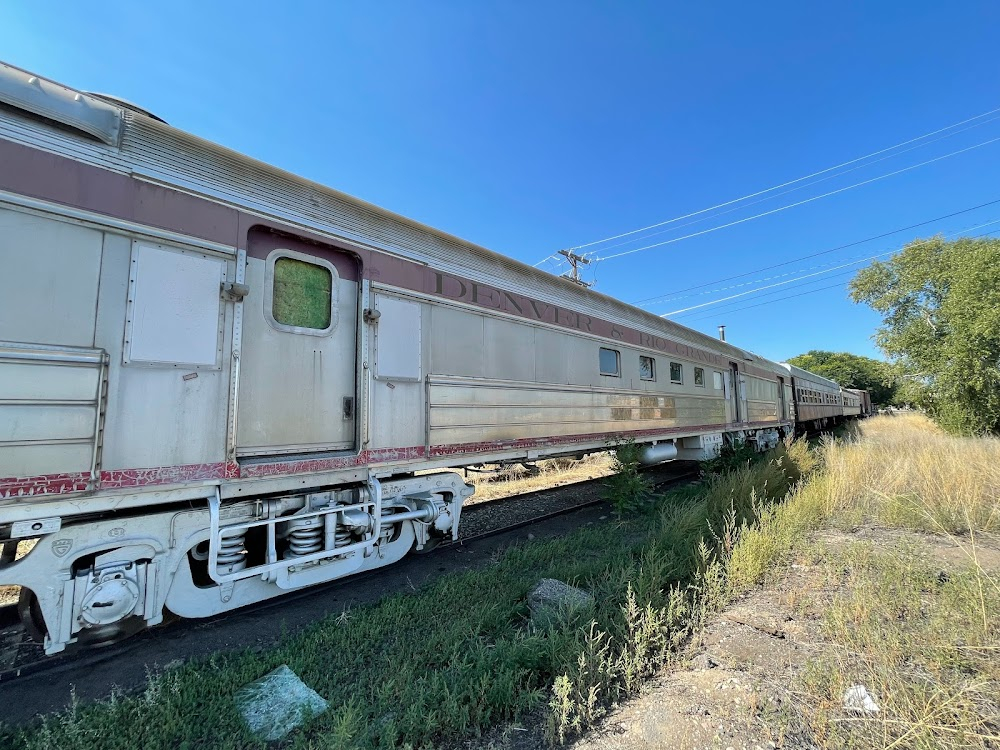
[[61, 104], [118, 101]]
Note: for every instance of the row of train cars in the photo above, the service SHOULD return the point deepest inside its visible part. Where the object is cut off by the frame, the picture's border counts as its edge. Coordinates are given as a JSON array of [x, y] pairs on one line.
[[220, 382]]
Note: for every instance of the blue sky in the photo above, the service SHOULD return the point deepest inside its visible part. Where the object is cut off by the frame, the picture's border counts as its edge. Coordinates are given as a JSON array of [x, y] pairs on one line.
[[530, 127]]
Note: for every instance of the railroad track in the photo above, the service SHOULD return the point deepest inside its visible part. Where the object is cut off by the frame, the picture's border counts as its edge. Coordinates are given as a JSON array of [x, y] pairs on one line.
[[480, 521]]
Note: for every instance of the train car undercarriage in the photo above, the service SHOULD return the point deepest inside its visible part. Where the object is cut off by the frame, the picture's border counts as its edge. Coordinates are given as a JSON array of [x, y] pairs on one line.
[[97, 581]]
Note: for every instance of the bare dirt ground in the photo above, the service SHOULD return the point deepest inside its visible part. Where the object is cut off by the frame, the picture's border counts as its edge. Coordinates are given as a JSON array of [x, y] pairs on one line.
[[739, 684]]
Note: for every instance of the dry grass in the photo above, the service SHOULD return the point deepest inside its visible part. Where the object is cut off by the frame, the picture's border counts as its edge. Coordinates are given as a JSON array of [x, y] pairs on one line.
[[903, 471], [9, 594], [555, 472], [922, 637]]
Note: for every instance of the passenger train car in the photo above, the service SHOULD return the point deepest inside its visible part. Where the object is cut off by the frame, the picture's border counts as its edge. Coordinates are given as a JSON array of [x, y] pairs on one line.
[[819, 401], [220, 382]]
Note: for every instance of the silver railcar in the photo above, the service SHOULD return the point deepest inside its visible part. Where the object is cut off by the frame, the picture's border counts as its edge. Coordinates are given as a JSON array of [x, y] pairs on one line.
[[219, 381]]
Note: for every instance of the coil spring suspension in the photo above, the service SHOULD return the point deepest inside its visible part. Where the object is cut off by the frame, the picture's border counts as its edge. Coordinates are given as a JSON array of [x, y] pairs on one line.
[[305, 536], [342, 536], [232, 552]]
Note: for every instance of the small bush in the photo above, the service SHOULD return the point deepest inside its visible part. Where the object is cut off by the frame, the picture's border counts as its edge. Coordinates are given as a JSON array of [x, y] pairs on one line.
[[627, 489], [732, 455]]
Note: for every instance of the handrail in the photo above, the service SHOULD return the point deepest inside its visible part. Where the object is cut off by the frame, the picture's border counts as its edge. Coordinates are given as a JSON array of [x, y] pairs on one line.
[[12, 350]]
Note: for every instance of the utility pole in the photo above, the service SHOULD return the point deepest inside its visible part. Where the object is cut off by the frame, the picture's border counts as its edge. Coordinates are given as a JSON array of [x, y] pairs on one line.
[[574, 261]]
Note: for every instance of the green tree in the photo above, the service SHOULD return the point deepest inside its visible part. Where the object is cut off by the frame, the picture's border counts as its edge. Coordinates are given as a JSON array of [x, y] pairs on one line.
[[851, 371], [940, 306]]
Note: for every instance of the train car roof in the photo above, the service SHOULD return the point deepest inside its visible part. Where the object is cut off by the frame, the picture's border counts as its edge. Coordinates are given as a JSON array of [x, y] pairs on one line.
[[798, 372], [125, 138]]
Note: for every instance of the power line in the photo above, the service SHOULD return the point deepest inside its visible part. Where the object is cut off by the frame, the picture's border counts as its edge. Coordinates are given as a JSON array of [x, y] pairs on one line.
[[786, 192], [782, 276], [822, 252], [771, 286], [794, 286], [810, 291], [807, 276], [784, 184], [802, 202], [772, 301], [728, 308]]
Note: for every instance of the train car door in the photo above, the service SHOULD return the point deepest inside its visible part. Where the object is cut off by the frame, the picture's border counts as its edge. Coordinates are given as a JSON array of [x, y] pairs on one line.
[[297, 390], [782, 400], [735, 393]]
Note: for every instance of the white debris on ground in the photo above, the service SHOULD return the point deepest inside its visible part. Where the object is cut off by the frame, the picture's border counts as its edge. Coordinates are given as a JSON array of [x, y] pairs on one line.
[[277, 703], [551, 600], [858, 699]]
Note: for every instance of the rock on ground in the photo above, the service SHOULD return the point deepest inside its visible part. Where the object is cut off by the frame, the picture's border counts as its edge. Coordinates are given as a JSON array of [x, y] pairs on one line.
[[277, 703], [552, 600]]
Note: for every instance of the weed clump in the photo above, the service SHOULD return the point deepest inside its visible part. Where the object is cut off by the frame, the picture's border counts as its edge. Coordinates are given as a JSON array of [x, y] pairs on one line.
[[627, 489], [732, 455]]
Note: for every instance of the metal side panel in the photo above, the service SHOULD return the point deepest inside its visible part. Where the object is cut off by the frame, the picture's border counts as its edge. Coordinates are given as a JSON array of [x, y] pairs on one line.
[[473, 411], [48, 281], [50, 400]]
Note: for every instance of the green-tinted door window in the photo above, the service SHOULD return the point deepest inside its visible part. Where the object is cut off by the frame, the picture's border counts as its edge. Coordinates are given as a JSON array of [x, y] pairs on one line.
[[303, 294]]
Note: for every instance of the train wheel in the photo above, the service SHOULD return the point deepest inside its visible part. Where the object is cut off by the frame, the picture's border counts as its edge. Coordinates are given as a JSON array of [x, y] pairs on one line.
[[30, 613], [429, 546]]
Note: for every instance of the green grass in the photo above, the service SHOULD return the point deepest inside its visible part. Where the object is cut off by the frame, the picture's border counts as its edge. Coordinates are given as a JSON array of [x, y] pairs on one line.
[[460, 656]]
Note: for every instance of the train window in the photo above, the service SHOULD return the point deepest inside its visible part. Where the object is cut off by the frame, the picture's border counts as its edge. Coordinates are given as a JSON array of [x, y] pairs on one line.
[[302, 294], [699, 376], [717, 381], [647, 368], [610, 362], [676, 372]]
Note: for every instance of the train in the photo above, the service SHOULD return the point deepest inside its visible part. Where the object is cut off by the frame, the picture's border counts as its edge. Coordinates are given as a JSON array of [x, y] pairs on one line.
[[220, 382]]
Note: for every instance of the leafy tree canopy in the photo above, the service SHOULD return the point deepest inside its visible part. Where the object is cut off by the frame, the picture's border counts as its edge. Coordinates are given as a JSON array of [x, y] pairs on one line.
[[851, 371], [940, 306]]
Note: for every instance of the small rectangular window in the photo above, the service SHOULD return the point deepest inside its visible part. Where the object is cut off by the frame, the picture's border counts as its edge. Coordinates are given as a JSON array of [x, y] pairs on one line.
[[647, 368], [303, 294], [717, 380], [699, 376], [610, 362], [676, 372]]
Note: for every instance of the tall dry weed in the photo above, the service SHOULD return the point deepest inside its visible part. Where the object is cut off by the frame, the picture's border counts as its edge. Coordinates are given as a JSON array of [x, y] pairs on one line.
[[903, 470]]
